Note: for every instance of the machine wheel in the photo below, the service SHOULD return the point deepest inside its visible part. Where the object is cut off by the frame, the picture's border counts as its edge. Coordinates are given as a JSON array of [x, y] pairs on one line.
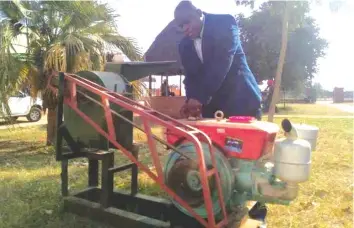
[[182, 176], [34, 115]]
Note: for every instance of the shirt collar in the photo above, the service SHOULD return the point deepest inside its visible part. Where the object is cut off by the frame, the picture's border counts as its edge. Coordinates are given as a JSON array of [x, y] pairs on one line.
[[202, 30]]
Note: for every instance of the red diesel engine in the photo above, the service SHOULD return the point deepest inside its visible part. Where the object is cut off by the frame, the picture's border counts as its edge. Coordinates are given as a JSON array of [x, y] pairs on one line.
[[238, 137], [251, 163]]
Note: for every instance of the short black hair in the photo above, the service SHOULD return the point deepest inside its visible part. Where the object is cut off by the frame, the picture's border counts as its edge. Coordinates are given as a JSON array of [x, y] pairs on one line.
[[185, 5]]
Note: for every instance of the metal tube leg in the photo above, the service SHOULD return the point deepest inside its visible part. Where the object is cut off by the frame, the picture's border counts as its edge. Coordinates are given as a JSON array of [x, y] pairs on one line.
[[134, 176], [64, 178], [93, 173], [107, 179]]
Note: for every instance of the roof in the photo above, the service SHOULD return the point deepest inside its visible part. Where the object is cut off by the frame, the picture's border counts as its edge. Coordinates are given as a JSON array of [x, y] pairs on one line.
[[165, 48], [138, 70]]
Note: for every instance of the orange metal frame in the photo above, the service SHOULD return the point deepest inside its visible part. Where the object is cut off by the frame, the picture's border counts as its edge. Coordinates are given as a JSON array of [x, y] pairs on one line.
[[72, 82]]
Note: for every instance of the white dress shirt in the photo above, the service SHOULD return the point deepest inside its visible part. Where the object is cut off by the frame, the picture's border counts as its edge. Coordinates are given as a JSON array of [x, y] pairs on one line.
[[198, 42]]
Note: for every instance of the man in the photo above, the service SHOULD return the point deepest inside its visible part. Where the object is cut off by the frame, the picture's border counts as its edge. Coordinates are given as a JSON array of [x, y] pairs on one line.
[[165, 89], [217, 76]]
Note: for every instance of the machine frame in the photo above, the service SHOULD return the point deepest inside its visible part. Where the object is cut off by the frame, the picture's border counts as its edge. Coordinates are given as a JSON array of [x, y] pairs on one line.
[[115, 207]]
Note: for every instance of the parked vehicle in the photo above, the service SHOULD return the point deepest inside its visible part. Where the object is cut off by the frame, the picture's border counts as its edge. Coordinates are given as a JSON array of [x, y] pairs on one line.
[[23, 105]]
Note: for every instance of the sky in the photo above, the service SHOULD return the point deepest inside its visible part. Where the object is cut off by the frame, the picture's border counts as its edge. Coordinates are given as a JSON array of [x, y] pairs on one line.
[[145, 19]]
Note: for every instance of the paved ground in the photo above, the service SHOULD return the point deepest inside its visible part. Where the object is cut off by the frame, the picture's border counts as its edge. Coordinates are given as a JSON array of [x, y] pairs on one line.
[[341, 106], [23, 122], [316, 116]]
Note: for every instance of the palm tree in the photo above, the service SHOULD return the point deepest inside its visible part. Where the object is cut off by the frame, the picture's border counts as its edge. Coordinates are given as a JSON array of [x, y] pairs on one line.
[[64, 36]]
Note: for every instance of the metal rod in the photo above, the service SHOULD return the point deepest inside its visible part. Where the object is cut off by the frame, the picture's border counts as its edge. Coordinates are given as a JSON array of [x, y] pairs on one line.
[[121, 168], [93, 173], [64, 178], [139, 128], [169, 123], [60, 108], [107, 180], [134, 173]]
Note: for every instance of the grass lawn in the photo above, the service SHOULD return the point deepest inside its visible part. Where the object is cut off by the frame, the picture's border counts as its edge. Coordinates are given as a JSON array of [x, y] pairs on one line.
[[30, 180]]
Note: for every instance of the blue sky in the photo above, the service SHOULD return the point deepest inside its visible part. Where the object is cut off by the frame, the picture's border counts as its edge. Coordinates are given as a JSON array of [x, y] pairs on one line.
[[144, 19]]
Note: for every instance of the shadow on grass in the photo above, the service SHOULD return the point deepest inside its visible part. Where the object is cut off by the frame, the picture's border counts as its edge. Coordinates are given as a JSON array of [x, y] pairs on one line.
[[38, 202], [18, 122], [30, 185], [6, 122], [29, 155]]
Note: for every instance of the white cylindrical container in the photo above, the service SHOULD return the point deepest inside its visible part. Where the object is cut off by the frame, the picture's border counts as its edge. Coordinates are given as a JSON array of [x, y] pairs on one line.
[[308, 133], [292, 160]]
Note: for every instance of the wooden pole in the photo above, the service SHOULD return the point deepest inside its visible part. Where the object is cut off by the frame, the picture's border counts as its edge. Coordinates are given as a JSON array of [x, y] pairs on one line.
[[150, 85], [280, 64], [161, 84], [180, 85]]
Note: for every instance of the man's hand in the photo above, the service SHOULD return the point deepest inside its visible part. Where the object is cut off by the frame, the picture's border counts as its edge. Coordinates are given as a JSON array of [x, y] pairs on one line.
[[192, 108], [194, 103]]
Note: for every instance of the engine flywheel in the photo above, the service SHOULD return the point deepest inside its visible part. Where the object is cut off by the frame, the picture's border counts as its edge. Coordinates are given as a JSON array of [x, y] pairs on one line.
[[182, 176], [184, 179]]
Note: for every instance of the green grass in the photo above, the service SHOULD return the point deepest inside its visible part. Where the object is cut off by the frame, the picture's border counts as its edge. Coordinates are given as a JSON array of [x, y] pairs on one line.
[[30, 180], [326, 200]]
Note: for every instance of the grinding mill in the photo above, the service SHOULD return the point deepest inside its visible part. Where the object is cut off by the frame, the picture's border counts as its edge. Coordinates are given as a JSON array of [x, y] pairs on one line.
[[210, 170]]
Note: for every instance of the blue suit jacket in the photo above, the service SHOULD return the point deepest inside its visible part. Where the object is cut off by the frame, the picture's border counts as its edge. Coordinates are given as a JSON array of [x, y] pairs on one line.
[[224, 80]]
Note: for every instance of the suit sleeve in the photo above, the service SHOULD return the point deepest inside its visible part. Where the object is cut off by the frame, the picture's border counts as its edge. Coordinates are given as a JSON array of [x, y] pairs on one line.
[[190, 81], [227, 42]]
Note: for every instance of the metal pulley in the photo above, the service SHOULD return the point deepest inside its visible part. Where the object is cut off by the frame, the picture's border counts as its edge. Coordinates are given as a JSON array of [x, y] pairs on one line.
[[182, 176]]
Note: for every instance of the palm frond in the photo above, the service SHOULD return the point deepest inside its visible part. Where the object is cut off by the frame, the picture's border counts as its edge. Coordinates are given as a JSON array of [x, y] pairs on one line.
[[64, 36], [81, 62], [56, 58], [139, 89], [14, 10], [14, 68]]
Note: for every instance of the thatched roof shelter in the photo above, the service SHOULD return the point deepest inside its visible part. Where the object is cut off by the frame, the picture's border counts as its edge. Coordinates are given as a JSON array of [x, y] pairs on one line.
[[165, 48]]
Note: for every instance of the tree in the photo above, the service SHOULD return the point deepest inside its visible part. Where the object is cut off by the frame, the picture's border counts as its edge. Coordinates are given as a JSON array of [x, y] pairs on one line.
[[320, 92], [278, 38], [64, 36], [261, 36]]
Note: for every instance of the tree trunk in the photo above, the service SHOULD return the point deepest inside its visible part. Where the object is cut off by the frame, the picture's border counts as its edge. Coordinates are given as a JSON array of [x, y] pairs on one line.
[[280, 65], [51, 126]]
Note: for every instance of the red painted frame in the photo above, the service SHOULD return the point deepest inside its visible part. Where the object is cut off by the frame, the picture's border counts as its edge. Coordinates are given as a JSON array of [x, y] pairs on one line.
[[72, 82]]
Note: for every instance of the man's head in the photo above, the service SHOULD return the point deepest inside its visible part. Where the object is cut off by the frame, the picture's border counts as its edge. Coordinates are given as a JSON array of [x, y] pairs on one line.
[[188, 17]]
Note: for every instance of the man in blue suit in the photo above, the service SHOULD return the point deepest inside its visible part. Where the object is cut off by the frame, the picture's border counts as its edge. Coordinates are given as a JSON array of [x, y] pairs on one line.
[[217, 76]]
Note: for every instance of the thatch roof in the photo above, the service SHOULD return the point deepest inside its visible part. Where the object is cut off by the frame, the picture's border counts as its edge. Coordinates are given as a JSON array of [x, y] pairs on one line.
[[165, 47]]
